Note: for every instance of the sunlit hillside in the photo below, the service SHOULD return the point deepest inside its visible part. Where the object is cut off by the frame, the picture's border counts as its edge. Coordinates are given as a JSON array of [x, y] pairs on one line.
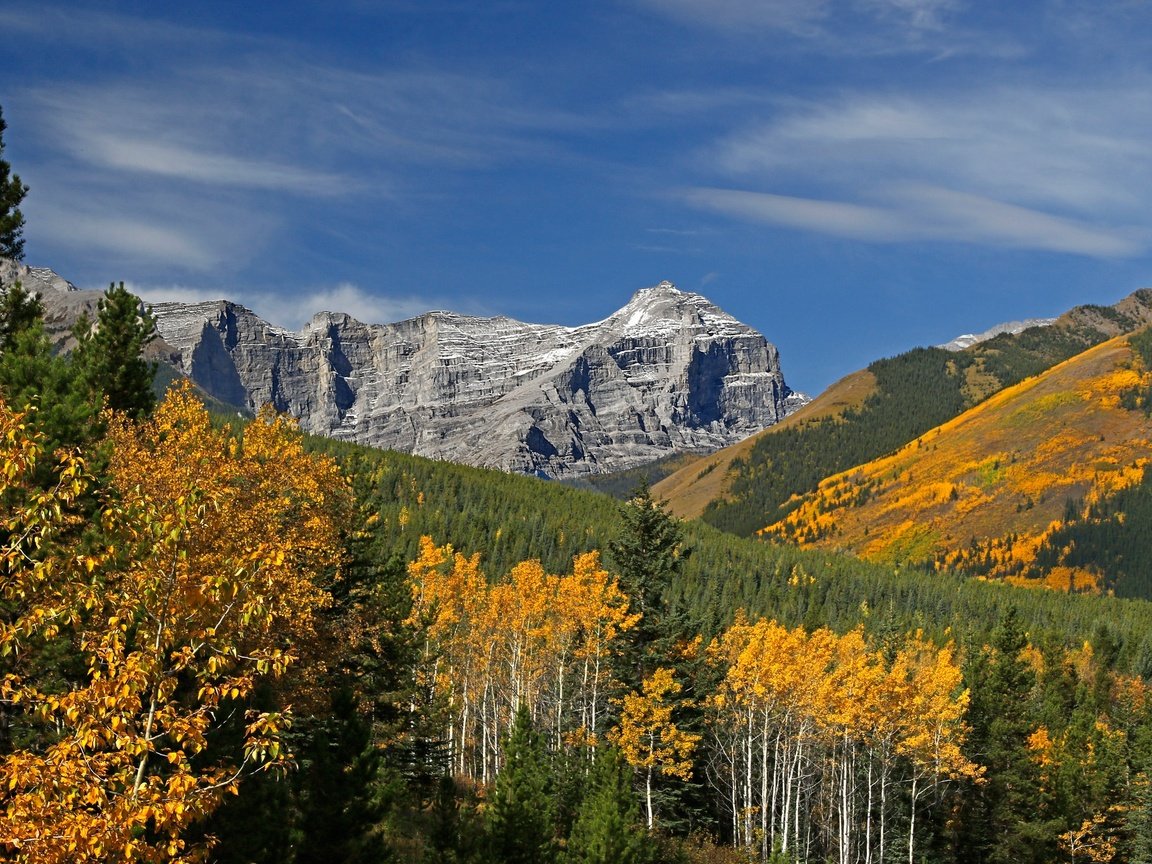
[[998, 478], [876, 411]]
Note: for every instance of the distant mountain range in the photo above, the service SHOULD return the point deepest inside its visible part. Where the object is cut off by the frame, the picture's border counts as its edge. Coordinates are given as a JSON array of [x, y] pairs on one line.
[[669, 372]]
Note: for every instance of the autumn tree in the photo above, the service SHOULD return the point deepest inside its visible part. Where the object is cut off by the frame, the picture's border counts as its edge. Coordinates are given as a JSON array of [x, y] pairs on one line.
[[12, 192], [649, 737], [201, 586]]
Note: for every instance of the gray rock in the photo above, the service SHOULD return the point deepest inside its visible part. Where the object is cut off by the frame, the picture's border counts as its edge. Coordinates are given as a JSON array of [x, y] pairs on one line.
[[669, 372]]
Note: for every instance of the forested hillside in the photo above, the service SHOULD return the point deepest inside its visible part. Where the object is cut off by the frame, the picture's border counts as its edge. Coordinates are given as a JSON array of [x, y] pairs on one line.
[[913, 392], [983, 492]]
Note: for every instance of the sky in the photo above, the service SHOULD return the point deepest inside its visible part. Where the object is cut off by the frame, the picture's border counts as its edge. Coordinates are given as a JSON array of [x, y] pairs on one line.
[[850, 177]]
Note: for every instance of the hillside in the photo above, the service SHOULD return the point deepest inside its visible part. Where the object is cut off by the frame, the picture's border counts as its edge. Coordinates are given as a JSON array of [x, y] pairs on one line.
[[877, 411], [511, 518], [984, 490]]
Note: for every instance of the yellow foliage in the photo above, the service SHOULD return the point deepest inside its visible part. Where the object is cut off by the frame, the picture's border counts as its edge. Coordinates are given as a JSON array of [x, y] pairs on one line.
[[533, 638], [647, 735], [207, 570], [1000, 474]]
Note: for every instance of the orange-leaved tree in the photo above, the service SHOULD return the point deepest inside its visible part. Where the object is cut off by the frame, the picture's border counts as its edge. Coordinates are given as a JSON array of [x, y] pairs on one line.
[[201, 583], [648, 736]]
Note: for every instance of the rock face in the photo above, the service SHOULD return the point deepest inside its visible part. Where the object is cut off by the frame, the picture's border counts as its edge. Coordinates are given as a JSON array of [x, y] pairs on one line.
[[669, 372], [63, 302]]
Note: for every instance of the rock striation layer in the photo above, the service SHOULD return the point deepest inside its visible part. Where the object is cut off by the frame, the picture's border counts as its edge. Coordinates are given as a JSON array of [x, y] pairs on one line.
[[669, 372]]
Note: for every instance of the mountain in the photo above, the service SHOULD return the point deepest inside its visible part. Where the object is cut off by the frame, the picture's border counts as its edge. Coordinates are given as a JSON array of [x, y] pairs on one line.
[[876, 411], [984, 491], [670, 372], [1011, 327]]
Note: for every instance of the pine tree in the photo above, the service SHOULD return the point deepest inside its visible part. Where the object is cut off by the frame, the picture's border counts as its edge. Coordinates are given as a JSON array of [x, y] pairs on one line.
[[110, 354], [607, 828], [519, 817], [12, 192], [648, 553], [19, 310], [33, 375], [1004, 819], [341, 803]]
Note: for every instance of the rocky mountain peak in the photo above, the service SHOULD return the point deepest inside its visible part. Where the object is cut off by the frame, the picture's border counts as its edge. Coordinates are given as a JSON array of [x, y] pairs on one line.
[[668, 372]]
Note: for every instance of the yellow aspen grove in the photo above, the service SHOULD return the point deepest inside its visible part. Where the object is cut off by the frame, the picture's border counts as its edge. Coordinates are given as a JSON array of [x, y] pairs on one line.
[[201, 582], [933, 727], [648, 737], [534, 639], [818, 737], [597, 613], [449, 595]]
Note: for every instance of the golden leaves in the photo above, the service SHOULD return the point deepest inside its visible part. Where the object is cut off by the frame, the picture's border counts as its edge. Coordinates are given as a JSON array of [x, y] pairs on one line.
[[208, 571], [647, 734]]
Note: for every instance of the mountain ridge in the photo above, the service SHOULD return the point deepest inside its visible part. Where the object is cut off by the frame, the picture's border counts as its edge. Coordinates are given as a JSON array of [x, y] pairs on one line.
[[668, 372], [985, 490]]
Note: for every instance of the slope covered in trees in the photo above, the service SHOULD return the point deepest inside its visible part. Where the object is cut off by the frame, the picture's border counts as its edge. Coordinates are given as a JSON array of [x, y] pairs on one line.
[[984, 492], [900, 399], [450, 708]]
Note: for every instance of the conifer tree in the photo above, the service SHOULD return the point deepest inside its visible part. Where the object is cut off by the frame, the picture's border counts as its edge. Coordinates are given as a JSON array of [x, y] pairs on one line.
[[1003, 819], [607, 828], [19, 310], [12, 192], [110, 354], [519, 817], [32, 374], [648, 553]]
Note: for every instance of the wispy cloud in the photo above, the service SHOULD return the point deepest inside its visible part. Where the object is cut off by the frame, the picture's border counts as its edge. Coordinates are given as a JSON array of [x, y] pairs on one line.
[[1022, 167], [235, 137], [109, 150], [795, 16], [843, 27], [917, 213], [292, 310], [106, 236]]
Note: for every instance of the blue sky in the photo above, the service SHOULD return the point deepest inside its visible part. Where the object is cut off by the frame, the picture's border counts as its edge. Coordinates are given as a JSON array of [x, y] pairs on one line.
[[851, 177]]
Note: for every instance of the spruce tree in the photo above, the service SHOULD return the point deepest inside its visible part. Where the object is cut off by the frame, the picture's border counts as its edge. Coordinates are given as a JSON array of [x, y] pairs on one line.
[[12, 192], [1006, 818], [519, 817], [607, 828], [648, 552], [19, 310], [34, 376], [110, 354]]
